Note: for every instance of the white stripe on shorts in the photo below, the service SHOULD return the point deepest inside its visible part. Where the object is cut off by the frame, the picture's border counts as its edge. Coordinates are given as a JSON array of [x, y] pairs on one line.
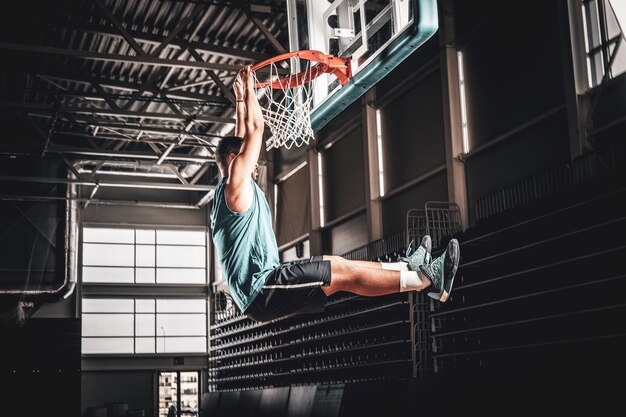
[[294, 286]]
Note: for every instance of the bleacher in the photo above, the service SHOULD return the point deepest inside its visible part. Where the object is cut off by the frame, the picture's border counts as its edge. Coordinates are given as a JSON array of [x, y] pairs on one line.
[[537, 312]]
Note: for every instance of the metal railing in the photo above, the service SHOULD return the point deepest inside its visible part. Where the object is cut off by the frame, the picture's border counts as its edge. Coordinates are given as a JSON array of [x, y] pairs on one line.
[[382, 249], [224, 308], [550, 182], [439, 219]]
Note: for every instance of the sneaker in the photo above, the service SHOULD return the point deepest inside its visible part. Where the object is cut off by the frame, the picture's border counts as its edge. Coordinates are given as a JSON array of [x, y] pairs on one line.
[[441, 272], [420, 256]]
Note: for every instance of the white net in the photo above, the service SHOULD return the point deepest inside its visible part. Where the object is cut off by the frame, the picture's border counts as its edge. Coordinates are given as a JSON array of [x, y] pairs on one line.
[[287, 110]]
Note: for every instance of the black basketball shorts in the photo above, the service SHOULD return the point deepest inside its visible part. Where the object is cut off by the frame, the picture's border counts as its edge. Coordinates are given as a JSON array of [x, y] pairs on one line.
[[293, 287]]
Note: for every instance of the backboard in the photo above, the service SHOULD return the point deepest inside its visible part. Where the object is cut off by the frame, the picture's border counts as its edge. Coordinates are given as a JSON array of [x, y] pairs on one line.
[[376, 34]]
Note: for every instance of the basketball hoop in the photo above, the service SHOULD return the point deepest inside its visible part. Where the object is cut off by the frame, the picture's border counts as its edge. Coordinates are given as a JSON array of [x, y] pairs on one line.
[[286, 100]]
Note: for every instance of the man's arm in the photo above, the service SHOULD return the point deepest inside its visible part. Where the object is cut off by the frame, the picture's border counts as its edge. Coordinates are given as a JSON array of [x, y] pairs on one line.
[[240, 95], [239, 192]]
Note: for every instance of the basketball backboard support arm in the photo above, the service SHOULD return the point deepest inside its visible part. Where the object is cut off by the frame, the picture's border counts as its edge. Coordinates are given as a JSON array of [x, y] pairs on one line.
[[619, 9]]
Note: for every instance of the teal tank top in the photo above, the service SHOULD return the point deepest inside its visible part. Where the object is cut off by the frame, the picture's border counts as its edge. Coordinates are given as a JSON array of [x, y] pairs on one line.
[[245, 243]]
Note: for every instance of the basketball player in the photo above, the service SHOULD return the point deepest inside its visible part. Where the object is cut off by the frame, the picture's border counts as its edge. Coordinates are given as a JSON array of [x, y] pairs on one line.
[[262, 287]]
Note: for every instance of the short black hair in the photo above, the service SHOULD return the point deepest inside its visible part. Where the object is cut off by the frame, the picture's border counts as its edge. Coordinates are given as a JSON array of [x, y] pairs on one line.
[[226, 145]]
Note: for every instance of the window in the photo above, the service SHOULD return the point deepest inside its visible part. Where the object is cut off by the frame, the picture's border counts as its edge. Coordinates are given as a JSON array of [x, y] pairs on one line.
[[144, 325], [602, 35], [180, 390], [118, 321], [379, 152], [144, 256]]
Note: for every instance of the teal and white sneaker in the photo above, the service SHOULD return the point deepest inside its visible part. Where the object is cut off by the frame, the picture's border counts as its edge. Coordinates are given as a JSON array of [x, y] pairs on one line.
[[441, 272], [420, 256]]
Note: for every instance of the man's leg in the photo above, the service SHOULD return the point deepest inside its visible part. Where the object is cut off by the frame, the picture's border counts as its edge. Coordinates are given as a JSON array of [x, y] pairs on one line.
[[365, 264], [359, 278], [437, 274], [413, 259]]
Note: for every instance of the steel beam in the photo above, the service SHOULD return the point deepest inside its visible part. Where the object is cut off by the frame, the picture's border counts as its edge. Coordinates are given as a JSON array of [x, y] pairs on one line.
[[100, 202], [105, 123], [267, 34], [66, 152], [133, 155], [121, 29], [127, 138], [131, 59], [91, 96], [227, 93], [51, 108], [111, 184], [181, 25], [126, 86], [149, 38]]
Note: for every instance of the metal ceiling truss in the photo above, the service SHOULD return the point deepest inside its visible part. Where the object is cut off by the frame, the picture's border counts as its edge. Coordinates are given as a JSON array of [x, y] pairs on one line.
[[128, 59], [148, 38], [121, 112]]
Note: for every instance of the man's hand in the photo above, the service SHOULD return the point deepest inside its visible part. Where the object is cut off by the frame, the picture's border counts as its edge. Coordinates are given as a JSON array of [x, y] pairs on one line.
[[248, 79], [239, 85]]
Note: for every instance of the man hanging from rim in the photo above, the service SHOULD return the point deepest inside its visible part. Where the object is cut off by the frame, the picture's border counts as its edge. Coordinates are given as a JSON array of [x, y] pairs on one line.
[[241, 224]]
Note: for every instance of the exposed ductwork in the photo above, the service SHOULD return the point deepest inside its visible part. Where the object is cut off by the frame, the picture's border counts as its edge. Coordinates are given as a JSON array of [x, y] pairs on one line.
[[70, 252]]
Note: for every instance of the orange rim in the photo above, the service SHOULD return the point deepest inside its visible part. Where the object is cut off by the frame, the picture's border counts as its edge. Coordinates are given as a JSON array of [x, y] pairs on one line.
[[326, 63]]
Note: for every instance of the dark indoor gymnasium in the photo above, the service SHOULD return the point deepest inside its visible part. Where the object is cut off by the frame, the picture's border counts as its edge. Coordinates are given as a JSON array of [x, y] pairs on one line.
[[312, 208]]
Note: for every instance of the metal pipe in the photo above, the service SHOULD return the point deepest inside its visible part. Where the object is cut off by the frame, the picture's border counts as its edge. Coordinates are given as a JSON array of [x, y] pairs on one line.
[[93, 193], [132, 155], [71, 245], [69, 252], [205, 199], [146, 185], [100, 202]]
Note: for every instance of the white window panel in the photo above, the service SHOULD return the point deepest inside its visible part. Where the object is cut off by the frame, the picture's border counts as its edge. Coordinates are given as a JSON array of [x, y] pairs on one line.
[[145, 275], [145, 236], [107, 345], [108, 255], [181, 237], [181, 256], [104, 274], [144, 255], [107, 325], [145, 306], [181, 276], [108, 305], [181, 344], [102, 235], [181, 325], [144, 345], [144, 325], [181, 305]]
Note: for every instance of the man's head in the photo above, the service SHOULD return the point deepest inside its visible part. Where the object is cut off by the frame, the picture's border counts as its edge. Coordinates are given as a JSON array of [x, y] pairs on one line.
[[227, 148]]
